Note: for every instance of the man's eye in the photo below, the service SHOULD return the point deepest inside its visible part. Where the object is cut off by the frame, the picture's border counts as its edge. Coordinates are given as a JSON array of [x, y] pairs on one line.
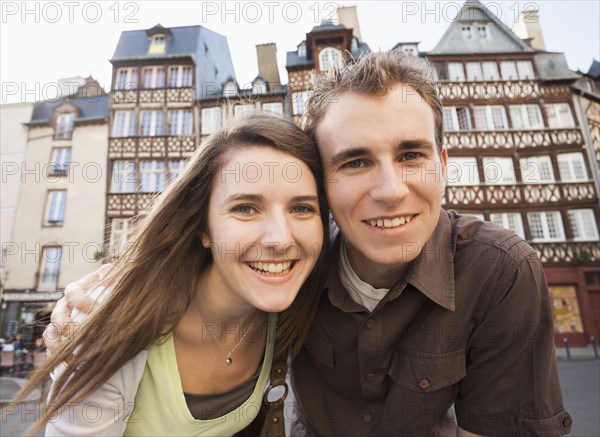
[[357, 163], [410, 156], [244, 209]]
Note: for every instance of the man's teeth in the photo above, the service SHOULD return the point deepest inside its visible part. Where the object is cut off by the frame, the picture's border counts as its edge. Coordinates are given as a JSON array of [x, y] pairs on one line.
[[390, 223], [271, 267]]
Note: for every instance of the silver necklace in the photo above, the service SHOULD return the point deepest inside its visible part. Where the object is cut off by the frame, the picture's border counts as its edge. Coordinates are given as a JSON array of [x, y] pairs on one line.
[[228, 359]]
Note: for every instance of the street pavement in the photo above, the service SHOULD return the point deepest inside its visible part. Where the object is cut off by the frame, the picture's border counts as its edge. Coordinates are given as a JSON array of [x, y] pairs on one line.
[[579, 379], [580, 383]]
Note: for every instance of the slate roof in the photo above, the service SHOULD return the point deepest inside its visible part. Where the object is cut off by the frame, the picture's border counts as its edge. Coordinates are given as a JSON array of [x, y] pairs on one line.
[[553, 66], [501, 39], [208, 49], [90, 108], [594, 70]]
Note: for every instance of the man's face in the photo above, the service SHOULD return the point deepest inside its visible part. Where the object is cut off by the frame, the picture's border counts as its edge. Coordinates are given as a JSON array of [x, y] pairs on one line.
[[384, 177]]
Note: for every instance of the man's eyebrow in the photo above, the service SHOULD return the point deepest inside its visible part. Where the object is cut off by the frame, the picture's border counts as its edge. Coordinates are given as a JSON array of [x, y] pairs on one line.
[[415, 144], [243, 196], [348, 154]]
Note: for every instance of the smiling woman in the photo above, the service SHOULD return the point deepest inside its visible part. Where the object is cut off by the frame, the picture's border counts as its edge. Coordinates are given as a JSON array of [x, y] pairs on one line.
[[223, 277]]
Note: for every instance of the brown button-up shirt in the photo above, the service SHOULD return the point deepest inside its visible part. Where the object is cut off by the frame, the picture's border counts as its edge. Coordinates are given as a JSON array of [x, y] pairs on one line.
[[470, 324]]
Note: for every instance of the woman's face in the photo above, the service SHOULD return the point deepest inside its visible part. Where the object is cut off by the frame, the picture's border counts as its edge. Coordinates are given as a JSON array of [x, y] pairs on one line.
[[264, 228]]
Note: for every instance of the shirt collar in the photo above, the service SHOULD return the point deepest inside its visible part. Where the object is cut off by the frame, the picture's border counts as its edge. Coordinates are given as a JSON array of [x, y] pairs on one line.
[[432, 272]]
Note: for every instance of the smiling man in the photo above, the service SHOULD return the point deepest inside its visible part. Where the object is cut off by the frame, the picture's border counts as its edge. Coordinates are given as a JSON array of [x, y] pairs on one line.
[[424, 308]]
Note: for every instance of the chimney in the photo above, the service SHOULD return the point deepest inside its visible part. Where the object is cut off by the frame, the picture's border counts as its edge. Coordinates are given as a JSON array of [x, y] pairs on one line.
[[348, 18], [527, 27], [266, 55]]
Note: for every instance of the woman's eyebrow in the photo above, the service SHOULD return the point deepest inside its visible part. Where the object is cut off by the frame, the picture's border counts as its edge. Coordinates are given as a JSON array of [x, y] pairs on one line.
[[244, 196], [307, 198]]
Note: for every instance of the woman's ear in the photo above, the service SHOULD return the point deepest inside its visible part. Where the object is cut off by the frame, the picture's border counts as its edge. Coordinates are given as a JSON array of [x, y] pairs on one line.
[[205, 240]]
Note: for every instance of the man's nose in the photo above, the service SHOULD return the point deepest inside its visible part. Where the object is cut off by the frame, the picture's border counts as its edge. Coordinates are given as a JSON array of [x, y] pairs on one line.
[[390, 184]]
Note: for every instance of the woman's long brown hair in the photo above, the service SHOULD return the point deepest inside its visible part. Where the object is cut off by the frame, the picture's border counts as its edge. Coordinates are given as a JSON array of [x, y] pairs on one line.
[[154, 281]]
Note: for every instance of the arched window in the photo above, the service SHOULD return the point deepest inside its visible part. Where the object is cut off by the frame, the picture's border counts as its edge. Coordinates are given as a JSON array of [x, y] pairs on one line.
[[328, 57]]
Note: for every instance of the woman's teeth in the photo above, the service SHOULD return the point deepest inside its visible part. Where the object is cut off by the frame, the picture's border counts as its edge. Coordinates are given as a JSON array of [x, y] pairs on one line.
[[277, 268]]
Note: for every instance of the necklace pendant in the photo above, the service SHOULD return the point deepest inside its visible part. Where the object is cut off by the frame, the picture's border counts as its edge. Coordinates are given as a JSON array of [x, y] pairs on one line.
[[228, 361]]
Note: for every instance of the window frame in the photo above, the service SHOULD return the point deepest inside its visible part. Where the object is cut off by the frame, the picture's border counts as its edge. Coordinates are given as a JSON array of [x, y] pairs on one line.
[[54, 208], [489, 117], [181, 122], [578, 226], [266, 108], [64, 126], [156, 127], [240, 109], [131, 78], [174, 173], [299, 99], [546, 238], [524, 115], [212, 119], [59, 164], [567, 159], [554, 117], [468, 166], [124, 179], [177, 78], [128, 126], [501, 161], [458, 66], [527, 176], [329, 56], [158, 77], [46, 268], [152, 177], [503, 219]]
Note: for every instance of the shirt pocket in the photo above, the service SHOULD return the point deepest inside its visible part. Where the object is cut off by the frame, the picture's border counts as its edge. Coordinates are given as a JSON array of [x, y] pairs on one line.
[[424, 372], [425, 385]]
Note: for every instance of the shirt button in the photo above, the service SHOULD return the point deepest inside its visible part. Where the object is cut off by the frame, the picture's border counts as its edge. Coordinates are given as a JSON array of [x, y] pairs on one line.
[[367, 418], [370, 377], [369, 324], [424, 384], [567, 421]]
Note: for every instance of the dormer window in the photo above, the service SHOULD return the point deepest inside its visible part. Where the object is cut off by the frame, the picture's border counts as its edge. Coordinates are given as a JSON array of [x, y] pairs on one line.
[[158, 43], [302, 50], [482, 31], [64, 126], [466, 30], [329, 56], [259, 87], [230, 89], [410, 49]]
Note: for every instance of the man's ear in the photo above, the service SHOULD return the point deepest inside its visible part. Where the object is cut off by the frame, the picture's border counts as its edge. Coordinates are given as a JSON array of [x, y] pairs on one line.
[[444, 160]]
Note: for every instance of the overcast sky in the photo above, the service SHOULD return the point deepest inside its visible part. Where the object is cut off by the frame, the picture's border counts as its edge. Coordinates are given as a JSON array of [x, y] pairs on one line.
[[41, 42]]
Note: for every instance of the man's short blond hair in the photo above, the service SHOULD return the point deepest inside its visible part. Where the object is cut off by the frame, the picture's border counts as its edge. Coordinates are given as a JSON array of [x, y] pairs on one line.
[[375, 74]]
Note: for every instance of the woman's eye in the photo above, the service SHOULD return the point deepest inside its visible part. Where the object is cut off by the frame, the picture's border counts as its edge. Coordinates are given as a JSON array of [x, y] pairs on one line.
[[244, 209], [357, 163], [303, 209]]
